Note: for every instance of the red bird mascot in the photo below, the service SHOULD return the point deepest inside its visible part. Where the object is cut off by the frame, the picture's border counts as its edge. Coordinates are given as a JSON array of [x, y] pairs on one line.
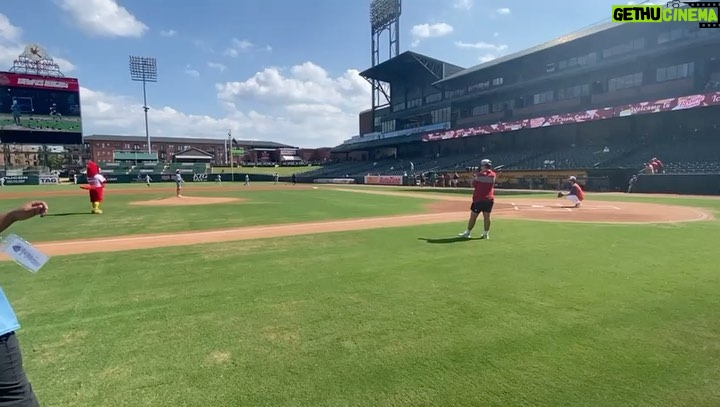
[[96, 186]]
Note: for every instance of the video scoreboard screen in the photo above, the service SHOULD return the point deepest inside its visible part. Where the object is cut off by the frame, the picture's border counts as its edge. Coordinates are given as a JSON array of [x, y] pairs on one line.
[[39, 109]]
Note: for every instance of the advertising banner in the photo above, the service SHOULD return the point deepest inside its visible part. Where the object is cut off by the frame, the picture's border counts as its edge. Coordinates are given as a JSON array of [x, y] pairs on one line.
[[49, 180], [655, 106], [22, 180], [669, 105], [384, 179], [334, 181], [200, 177], [111, 179], [568, 118]]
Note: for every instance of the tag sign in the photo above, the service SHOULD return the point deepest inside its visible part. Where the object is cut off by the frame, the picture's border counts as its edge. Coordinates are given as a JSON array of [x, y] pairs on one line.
[[24, 253]]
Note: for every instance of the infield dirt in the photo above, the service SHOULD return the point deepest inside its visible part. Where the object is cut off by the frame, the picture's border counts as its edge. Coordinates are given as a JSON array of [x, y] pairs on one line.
[[443, 209]]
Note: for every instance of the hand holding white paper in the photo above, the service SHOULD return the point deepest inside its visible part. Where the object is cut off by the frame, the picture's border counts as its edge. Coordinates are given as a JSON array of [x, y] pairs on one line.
[[24, 253]]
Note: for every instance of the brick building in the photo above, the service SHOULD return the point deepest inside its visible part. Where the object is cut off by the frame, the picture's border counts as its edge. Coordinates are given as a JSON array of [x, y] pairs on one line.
[[19, 156], [101, 147]]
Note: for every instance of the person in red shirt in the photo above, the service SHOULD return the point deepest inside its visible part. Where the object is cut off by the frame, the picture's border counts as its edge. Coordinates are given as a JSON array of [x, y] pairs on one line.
[[657, 166], [576, 194], [483, 199]]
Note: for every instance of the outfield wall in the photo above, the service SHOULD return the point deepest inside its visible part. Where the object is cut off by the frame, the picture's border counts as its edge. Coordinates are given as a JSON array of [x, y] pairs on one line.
[[202, 177], [592, 180], [531, 179], [547, 180], [32, 180], [683, 184]]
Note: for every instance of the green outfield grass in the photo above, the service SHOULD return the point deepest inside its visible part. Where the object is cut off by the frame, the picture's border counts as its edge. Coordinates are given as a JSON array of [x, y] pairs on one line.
[[41, 122], [282, 171], [71, 219], [545, 314]]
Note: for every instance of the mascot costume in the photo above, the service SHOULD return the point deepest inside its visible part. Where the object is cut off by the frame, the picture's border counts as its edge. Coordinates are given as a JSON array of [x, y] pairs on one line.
[[96, 185]]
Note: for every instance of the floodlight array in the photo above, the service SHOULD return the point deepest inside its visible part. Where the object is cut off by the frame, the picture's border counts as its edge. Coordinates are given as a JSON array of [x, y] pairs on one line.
[[383, 12], [143, 69]]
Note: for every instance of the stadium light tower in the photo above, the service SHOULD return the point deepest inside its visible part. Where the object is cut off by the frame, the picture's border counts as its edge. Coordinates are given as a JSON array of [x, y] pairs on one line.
[[384, 17], [144, 70]]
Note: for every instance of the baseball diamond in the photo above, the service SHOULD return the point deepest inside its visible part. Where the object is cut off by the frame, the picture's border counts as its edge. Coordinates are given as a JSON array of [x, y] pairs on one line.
[[237, 245], [539, 229]]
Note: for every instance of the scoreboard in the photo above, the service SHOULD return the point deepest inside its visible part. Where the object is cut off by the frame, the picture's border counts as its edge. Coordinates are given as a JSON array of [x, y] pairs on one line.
[[39, 109]]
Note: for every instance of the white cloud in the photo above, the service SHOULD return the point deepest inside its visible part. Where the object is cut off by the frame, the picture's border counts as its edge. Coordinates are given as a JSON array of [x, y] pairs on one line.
[[302, 106], [496, 34], [103, 17], [11, 46], [481, 45], [9, 32], [487, 58], [237, 47], [464, 4], [423, 31], [503, 11], [268, 48], [192, 72], [306, 84], [216, 65], [168, 33]]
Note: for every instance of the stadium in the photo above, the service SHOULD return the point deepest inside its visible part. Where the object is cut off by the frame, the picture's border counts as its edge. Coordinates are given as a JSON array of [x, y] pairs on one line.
[[581, 104], [228, 272]]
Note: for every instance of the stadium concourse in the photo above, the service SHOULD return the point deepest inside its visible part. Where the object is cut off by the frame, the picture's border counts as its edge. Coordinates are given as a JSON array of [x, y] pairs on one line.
[[579, 105]]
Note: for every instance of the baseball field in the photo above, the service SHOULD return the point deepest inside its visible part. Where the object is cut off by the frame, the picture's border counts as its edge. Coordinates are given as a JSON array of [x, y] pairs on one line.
[[359, 296], [44, 122]]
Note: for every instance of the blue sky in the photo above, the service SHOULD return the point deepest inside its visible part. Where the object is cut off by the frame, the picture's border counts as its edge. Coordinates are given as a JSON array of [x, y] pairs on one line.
[[284, 70]]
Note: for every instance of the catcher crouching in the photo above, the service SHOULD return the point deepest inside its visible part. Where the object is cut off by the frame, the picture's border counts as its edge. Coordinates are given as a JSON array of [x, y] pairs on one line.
[[576, 195]]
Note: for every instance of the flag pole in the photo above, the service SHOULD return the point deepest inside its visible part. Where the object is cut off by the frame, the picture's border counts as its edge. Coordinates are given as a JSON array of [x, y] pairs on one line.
[[232, 156]]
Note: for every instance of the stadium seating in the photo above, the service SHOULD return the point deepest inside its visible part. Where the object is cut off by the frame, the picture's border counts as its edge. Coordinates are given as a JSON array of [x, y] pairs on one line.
[[574, 158], [115, 167], [152, 168], [678, 157], [186, 168]]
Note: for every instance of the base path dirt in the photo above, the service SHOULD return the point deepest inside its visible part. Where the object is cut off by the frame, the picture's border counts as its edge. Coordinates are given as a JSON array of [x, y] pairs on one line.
[[594, 212], [444, 209], [135, 242], [186, 201], [561, 210]]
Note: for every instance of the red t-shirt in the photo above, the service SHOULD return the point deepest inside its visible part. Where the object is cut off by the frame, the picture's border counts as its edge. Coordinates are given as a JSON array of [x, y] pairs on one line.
[[576, 190], [484, 186]]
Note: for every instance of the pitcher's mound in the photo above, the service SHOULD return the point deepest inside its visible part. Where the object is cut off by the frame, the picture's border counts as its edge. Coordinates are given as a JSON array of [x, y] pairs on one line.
[[186, 201]]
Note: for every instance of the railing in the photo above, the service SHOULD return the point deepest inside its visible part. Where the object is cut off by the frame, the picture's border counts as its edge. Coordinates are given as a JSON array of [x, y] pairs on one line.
[[398, 133]]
